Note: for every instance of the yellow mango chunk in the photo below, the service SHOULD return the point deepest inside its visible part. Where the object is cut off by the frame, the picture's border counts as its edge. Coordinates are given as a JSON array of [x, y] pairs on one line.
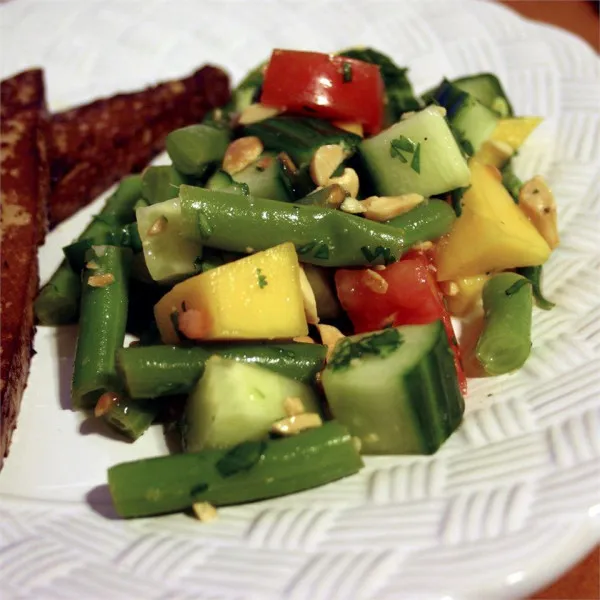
[[491, 234], [467, 295], [256, 297], [494, 153], [515, 131]]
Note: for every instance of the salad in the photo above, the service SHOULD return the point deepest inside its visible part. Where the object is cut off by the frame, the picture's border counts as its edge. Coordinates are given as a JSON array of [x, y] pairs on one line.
[[292, 276]]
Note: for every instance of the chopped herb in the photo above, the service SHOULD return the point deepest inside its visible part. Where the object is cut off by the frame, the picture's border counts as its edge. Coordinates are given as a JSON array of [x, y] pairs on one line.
[[379, 252], [380, 344], [534, 274], [240, 458], [260, 168], [346, 72], [456, 199], [322, 252], [516, 286], [198, 264], [402, 144], [198, 490], [262, 279], [415, 164], [305, 248]]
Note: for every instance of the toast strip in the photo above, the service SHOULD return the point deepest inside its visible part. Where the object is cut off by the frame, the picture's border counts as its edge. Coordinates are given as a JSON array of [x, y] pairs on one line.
[[95, 145], [24, 180]]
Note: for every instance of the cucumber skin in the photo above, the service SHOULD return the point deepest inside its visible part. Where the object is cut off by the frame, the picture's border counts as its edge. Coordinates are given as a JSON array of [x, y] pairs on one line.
[[173, 483], [432, 398], [151, 371]]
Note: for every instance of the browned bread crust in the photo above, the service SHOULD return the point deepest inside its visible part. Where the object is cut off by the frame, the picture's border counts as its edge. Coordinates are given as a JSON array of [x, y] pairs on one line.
[[24, 183], [93, 146]]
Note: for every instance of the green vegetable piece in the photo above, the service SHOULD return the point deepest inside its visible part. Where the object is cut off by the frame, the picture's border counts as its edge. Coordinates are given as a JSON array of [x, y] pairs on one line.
[[130, 417], [427, 221], [264, 179], [396, 389], [510, 181], [335, 238], [534, 275], [161, 183], [173, 483], [126, 237], [193, 148], [241, 458], [235, 402], [505, 342], [102, 324], [58, 301], [152, 371], [299, 137]]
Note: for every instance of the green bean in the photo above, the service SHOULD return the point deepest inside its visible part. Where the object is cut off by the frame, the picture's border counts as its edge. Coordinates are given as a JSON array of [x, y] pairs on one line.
[[151, 371], [250, 471], [129, 417], [429, 220], [161, 183], [126, 236], [58, 301], [193, 148], [322, 236], [505, 342], [330, 196], [102, 323]]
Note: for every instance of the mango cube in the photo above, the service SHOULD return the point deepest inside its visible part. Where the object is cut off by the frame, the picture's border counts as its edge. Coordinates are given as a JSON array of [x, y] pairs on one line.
[[515, 131], [491, 234], [256, 297]]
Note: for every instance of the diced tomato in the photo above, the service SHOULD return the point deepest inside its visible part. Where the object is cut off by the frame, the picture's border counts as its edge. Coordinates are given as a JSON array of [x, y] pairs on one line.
[[411, 297], [325, 86]]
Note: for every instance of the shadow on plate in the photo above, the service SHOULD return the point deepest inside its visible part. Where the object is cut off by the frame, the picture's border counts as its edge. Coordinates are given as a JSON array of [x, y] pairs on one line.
[[100, 502], [66, 342], [95, 426]]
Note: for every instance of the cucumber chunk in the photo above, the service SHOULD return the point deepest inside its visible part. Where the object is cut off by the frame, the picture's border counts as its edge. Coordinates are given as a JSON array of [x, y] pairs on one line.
[[169, 256], [264, 179], [237, 402], [472, 121], [486, 88], [395, 389], [394, 171]]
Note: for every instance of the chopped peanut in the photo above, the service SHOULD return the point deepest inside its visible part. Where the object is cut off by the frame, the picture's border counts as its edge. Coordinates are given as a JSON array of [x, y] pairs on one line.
[[158, 226], [330, 336], [193, 324], [241, 153], [352, 206], [384, 208], [91, 265], [449, 288], [350, 127], [304, 339], [375, 282], [336, 195], [536, 200], [348, 180], [103, 280], [204, 511], [324, 162], [308, 297], [357, 443], [293, 406], [257, 112], [422, 246], [104, 403], [296, 424]]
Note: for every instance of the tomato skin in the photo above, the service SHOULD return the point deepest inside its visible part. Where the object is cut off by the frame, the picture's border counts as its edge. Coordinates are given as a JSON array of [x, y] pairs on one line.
[[412, 298], [312, 84]]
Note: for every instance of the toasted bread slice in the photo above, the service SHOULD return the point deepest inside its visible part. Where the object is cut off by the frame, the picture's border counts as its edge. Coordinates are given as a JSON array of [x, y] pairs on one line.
[[93, 146], [24, 187]]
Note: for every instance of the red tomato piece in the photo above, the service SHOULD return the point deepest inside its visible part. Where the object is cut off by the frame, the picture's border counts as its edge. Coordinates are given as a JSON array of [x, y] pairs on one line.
[[409, 296], [325, 86]]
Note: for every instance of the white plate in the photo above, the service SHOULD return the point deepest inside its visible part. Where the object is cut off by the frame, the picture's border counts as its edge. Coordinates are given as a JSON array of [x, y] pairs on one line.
[[509, 502]]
